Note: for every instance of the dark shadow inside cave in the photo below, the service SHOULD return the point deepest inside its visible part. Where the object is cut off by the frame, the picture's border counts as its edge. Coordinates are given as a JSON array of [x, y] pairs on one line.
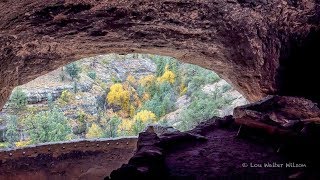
[[299, 67]]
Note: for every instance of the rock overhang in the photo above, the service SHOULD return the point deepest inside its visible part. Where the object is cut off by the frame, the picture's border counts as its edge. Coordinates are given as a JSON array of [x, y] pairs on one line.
[[253, 45]]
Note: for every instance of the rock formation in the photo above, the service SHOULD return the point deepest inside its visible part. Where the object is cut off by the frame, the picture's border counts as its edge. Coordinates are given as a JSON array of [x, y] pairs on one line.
[[84, 159], [261, 47], [215, 150]]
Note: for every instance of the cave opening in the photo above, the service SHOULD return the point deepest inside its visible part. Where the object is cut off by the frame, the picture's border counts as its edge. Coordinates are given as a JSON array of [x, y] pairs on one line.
[[101, 103], [109, 96]]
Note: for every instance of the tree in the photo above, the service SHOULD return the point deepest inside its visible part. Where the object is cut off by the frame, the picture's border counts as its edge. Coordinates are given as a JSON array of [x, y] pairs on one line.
[[125, 127], [73, 69], [18, 99], [94, 131], [138, 126], [203, 107], [119, 96], [168, 76], [112, 127], [81, 126], [92, 74], [66, 96], [12, 134], [145, 116], [47, 126]]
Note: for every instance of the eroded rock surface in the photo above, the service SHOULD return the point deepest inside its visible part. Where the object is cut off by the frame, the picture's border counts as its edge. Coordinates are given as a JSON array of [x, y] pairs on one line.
[[235, 147], [258, 46], [85, 160]]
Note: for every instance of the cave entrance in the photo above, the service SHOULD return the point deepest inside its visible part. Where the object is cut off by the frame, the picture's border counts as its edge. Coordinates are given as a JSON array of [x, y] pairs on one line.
[[85, 116], [109, 96]]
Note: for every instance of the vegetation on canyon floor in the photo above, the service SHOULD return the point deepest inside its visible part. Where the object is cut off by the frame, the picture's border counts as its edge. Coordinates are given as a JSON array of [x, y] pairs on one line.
[[124, 107]]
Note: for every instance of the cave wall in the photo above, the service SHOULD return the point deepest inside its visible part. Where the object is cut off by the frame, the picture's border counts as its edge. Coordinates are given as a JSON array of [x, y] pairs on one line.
[[251, 44]]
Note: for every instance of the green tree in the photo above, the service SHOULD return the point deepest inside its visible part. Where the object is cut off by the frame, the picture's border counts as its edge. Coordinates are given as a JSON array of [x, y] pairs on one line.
[[73, 69], [81, 126], [18, 99], [47, 126], [138, 126], [203, 107], [12, 134], [112, 127], [92, 75]]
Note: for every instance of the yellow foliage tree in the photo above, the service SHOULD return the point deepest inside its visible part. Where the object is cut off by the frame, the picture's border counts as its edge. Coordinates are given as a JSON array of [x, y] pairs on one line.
[[131, 79], [145, 96], [168, 75], [132, 111], [147, 80], [125, 126], [183, 89], [119, 96], [23, 143], [94, 131], [145, 116]]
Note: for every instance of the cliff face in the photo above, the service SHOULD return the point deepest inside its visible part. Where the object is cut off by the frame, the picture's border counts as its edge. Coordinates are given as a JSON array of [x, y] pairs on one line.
[[255, 45]]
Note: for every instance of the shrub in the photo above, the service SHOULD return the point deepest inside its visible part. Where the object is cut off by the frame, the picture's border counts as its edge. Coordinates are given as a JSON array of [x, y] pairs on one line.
[[119, 96], [81, 126], [138, 126], [92, 75], [94, 131], [183, 89], [4, 145], [145, 116], [168, 76], [112, 127], [125, 127], [131, 79], [147, 80], [73, 70], [202, 107], [18, 99], [66, 96], [47, 126], [12, 134], [226, 88], [23, 143]]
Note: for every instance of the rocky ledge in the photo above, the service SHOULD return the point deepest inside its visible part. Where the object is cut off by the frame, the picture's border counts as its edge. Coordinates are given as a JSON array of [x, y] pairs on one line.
[[275, 137]]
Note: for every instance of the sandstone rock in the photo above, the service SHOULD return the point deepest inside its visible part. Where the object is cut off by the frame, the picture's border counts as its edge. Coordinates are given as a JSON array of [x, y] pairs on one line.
[[279, 110], [248, 43]]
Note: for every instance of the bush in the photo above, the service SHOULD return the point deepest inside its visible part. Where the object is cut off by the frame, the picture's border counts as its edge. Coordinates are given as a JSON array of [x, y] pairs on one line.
[[125, 127], [95, 131], [92, 75], [203, 107], [119, 96], [4, 145], [145, 116], [73, 70], [66, 96], [168, 76], [12, 134], [138, 126], [47, 126], [112, 127], [18, 99], [226, 88], [23, 143], [81, 126]]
